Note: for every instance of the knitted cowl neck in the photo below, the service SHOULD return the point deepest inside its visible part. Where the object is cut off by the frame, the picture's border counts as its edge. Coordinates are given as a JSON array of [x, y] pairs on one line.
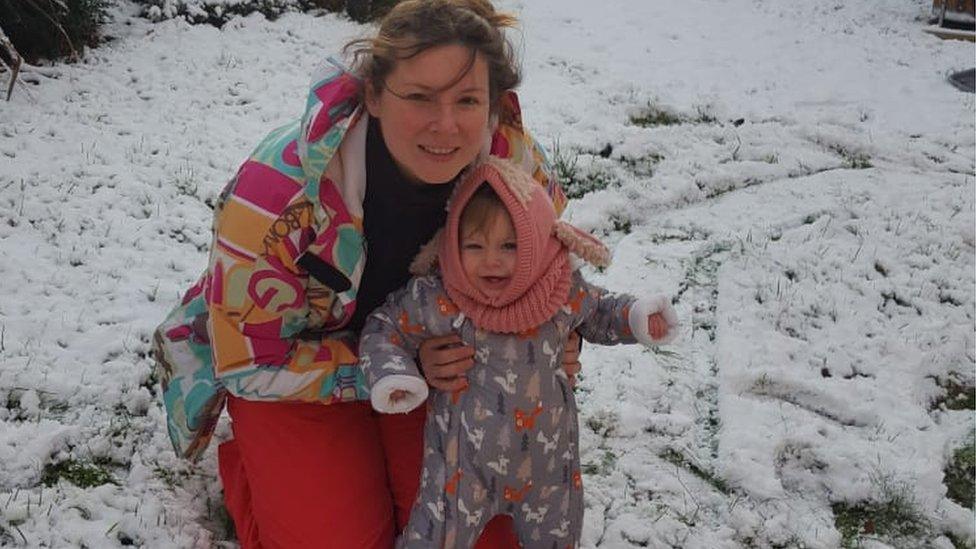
[[540, 284]]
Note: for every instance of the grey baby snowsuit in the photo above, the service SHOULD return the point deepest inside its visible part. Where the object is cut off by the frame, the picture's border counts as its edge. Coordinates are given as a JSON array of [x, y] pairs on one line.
[[508, 444]]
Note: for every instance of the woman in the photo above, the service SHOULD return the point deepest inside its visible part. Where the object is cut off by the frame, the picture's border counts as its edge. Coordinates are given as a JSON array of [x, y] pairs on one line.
[[272, 325]]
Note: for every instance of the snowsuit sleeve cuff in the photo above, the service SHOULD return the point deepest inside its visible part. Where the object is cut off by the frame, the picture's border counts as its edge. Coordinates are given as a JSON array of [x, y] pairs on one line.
[[415, 387], [643, 308]]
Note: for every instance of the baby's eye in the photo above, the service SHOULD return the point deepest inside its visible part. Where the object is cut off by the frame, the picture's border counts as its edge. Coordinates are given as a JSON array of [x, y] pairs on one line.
[[418, 97], [510, 246], [470, 246], [470, 101]]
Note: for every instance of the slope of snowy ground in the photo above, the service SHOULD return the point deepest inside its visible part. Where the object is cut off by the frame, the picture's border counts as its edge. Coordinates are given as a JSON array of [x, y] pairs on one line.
[[798, 174]]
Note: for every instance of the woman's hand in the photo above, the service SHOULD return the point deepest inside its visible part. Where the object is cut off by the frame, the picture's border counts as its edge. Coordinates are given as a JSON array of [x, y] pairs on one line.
[[571, 352], [445, 361]]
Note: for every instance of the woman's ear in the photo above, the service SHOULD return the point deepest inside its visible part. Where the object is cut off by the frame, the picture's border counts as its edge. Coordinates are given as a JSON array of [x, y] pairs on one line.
[[372, 101]]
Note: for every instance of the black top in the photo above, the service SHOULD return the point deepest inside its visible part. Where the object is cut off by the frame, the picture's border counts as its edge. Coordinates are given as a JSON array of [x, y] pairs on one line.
[[398, 218]]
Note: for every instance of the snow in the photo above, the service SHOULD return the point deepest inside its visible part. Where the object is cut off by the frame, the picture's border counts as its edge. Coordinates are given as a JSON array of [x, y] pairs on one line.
[[822, 252]]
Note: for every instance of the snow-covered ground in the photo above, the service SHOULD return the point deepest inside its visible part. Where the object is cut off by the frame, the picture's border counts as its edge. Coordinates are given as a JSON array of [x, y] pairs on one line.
[[813, 212]]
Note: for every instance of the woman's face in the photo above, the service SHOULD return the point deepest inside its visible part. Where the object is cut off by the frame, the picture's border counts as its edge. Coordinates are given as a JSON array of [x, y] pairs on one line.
[[433, 131]]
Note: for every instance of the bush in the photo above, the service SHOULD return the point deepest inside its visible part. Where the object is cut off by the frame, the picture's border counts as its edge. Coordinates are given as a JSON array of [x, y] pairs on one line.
[[51, 29], [366, 10], [218, 12]]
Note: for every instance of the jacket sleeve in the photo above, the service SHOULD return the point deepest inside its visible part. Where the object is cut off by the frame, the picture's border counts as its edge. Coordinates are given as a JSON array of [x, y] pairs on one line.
[[609, 319], [387, 346], [264, 309]]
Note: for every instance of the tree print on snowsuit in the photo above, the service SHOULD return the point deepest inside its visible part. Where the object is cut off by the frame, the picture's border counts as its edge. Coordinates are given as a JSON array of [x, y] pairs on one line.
[[509, 442]]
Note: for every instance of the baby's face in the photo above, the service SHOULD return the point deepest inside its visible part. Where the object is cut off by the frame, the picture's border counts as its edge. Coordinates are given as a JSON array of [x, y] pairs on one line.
[[488, 256]]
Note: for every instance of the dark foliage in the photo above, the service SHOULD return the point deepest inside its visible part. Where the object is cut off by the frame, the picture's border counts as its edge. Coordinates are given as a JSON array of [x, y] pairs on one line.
[[366, 10], [218, 12], [49, 29]]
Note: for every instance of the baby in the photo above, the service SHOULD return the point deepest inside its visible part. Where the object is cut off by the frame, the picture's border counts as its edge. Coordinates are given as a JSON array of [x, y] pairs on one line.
[[507, 443]]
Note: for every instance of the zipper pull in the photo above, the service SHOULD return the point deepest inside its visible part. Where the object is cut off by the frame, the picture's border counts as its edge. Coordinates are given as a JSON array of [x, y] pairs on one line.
[[458, 322]]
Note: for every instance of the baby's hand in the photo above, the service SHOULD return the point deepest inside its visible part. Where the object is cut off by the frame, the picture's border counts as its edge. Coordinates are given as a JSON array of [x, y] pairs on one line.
[[657, 327], [652, 320]]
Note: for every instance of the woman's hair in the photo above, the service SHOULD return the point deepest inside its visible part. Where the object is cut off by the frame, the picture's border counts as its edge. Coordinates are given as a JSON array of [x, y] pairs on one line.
[[480, 211], [414, 26]]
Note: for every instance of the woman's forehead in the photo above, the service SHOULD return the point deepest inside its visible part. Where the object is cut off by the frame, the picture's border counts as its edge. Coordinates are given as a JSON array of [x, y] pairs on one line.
[[443, 68]]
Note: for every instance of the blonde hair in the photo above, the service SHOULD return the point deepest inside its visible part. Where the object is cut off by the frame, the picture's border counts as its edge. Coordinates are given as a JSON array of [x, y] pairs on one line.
[[415, 26], [481, 209]]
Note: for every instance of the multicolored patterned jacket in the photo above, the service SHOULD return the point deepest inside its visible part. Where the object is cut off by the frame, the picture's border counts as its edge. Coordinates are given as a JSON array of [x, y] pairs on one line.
[[265, 320]]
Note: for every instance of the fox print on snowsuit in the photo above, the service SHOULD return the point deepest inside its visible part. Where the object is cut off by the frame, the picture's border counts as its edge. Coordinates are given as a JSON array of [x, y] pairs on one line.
[[508, 442]]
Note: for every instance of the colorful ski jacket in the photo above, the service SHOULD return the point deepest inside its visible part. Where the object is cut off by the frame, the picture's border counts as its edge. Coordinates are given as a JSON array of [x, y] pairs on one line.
[[265, 320]]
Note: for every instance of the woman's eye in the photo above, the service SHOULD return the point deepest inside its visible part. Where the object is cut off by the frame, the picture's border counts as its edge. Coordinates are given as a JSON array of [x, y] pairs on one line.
[[419, 97], [510, 246], [470, 101], [471, 246]]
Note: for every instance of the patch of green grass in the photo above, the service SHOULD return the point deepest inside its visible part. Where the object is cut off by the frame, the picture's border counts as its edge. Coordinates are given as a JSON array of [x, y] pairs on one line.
[[603, 423], [958, 394], [592, 181], [704, 115], [654, 116], [858, 161], [6, 537], [673, 456], [894, 516], [702, 273], [793, 542], [855, 160], [957, 542], [222, 520], [621, 224], [565, 163], [642, 166], [960, 475], [168, 477], [680, 234], [81, 474], [575, 180], [13, 401], [603, 467]]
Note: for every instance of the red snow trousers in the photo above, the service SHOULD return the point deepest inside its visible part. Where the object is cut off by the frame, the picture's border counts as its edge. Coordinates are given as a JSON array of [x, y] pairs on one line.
[[337, 476]]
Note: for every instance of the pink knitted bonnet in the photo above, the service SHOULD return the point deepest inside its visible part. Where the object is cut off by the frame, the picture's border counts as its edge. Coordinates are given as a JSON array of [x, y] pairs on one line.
[[540, 283]]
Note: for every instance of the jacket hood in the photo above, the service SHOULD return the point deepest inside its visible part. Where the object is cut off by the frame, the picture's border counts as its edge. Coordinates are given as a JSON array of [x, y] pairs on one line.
[[533, 217], [540, 283], [333, 105]]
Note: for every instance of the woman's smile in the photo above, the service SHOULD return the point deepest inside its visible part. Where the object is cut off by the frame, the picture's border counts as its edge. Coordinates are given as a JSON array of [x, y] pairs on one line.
[[439, 153]]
